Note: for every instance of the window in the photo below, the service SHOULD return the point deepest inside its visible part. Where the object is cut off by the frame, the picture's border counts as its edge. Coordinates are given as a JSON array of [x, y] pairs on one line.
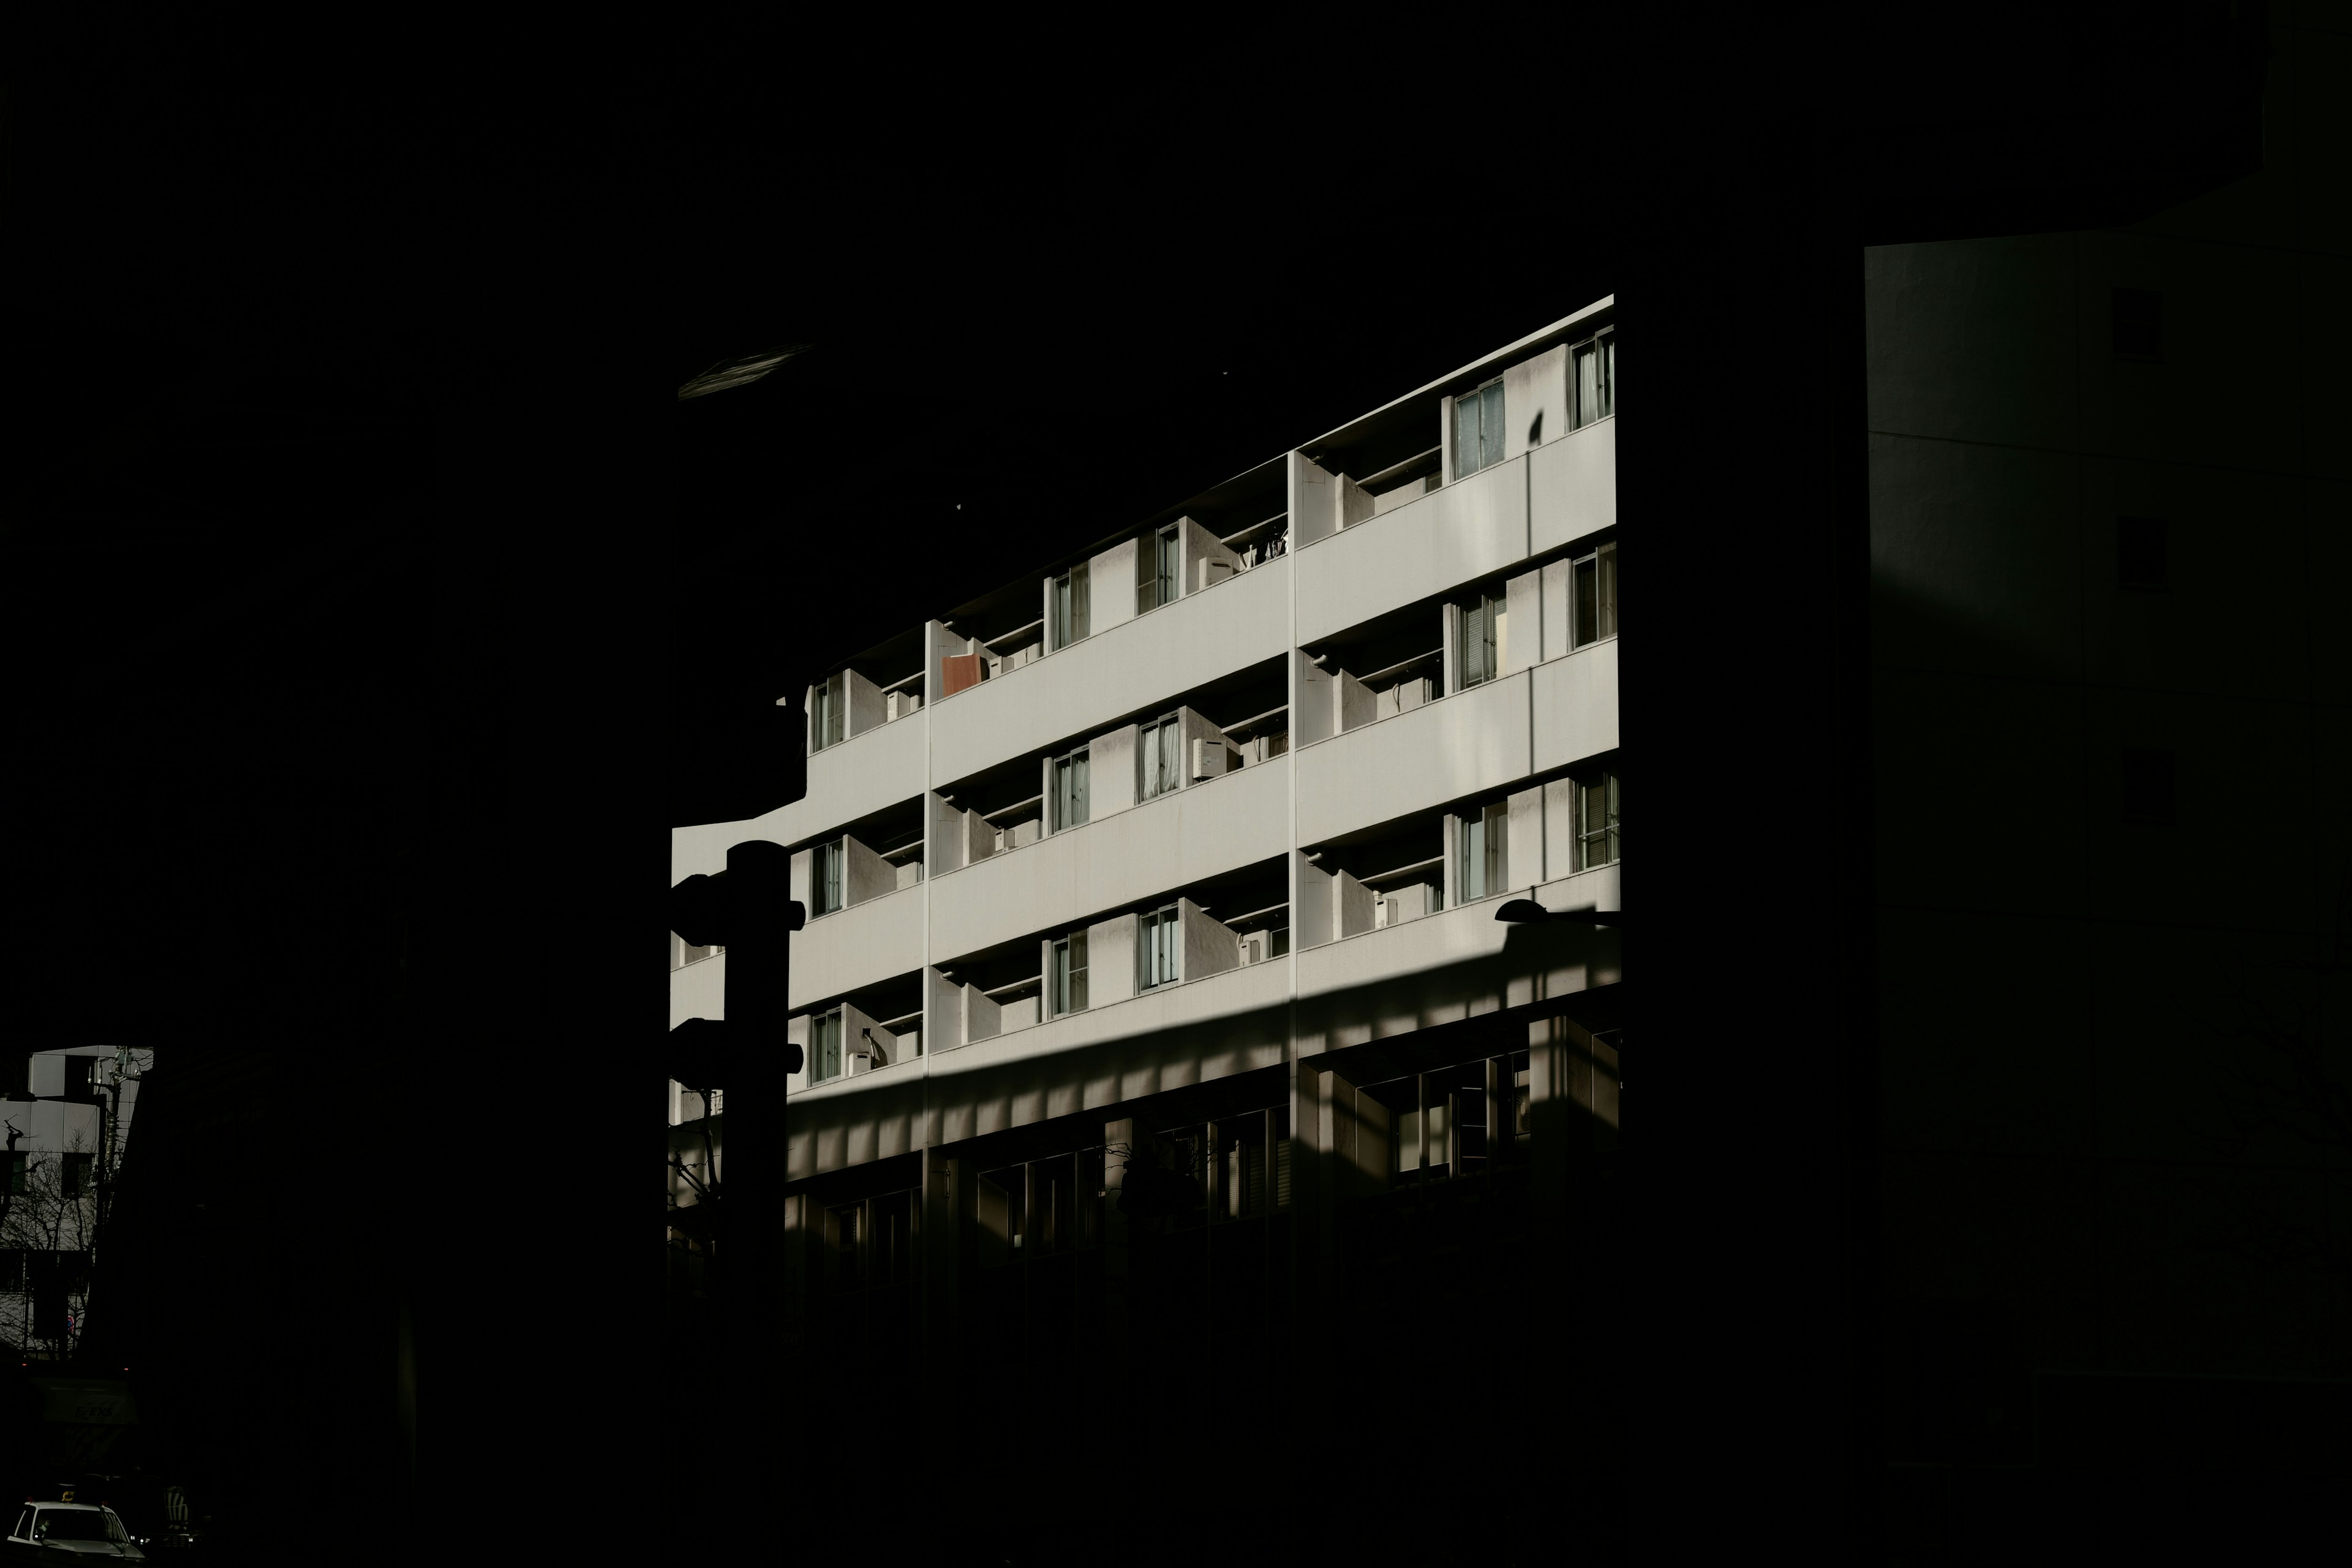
[[825, 875], [1479, 430], [828, 723], [1069, 802], [12, 1268], [1596, 821], [1156, 940], [75, 1175], [1159, 758], [1596, 378], [20, 1171], [1069, 607], [1483, 861], [825, 1046], [2140, 552], [1155, 570], [1065, 982], [1478, 657], [2137, 317], [1595, 594]]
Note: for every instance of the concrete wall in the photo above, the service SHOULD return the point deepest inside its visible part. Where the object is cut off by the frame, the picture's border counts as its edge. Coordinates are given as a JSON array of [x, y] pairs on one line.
[[1556, 632], [1202, 551], [1110, 587], [1313, 510], [1525, 836], [1535, 401], [1110, 772], [1351, 906], [1210, 947], [1126, 669], [1110, 961], [1353, 703], [865, 703], [865, 874], [1314, 703], [851, 948], [1314, 917], [1125, 858], [943, 1011], [1467, 744], [1461, 533], [699, 990], [1576, 706], [1525, 646], [1573, 486]]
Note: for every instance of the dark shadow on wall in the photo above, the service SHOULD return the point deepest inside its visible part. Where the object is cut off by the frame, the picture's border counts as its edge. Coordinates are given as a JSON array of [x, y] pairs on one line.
[[2086, 1061]]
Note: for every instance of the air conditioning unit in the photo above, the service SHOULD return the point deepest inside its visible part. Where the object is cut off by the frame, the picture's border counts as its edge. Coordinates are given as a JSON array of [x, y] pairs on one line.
[[1254, 947], [1209, 757], [899, 704]]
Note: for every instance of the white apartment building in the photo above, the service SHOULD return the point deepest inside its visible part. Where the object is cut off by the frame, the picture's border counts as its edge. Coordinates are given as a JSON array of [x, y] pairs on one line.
[[1186, 851], [65, 1130]]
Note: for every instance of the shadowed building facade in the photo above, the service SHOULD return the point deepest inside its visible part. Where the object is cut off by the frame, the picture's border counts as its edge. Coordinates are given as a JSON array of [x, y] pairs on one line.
[[1156, 1016]]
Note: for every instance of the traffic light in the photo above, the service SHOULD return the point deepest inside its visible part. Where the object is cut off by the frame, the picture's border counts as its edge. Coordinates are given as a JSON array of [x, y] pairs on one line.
[[749, 910]]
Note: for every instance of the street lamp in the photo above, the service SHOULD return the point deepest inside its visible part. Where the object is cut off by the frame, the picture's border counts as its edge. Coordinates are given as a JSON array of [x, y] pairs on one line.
[[1526, 912]]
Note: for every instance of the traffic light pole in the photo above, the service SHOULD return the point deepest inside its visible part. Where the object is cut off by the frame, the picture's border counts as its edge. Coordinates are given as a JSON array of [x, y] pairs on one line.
[[749, 911]]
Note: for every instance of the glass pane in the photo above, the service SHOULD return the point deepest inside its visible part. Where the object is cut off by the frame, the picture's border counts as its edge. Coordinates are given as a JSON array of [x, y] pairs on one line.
[[1077, 970], [1078, 789], [1608, 347], [1080, 608], [1490, 423], [1498, 828], [1608, 592], [1466, 437], [1168, 736], [1471, 869], [1586, 614], [835, 696], [1588, 385]]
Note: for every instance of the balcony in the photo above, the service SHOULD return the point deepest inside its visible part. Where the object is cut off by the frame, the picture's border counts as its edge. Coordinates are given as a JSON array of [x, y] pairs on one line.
[[857, 947], [1449, 537], [1573, 486], [1469, 743], [1576, 706], [851, 779], [1181, 1035], [1131, 666], [1451, 966], [1123, 859]]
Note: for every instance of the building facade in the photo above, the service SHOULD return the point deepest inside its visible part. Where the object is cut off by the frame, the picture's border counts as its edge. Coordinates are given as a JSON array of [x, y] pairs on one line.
[[1152, 996], [65, 1132]]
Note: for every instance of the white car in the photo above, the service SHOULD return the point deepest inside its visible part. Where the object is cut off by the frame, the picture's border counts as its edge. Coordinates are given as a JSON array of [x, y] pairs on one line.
[[75, 1532]]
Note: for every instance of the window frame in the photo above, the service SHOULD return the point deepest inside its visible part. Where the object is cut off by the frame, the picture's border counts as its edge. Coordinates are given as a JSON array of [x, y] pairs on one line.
[[1071, 609], [1159, 563], [1604, 614], [829, 725], [1610, 832], [1602, 348], [1168, 918], [1500, 444], [1487, 618], [840, 1025], [1065, 976], [1077, 762], [828, 876], [1171, 723], [1491, 825]]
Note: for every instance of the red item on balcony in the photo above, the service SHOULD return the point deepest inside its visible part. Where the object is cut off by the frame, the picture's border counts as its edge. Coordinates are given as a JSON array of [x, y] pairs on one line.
[[958, 671]]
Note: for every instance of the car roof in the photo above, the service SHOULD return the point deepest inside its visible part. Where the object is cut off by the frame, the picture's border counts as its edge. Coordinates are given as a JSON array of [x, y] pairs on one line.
[[93, 1506]]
